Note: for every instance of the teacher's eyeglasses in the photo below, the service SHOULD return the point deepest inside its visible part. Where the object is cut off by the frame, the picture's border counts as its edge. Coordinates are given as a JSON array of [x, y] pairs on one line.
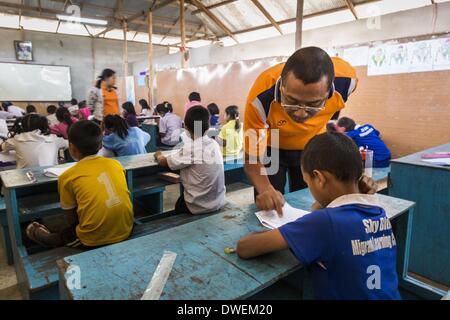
[[310, 108]]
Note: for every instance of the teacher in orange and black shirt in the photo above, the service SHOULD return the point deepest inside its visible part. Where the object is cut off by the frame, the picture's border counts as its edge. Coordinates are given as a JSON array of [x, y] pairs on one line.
[[297, 99]]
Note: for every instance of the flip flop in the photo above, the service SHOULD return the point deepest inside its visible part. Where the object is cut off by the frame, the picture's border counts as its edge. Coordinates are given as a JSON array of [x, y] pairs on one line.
[[32, 230]]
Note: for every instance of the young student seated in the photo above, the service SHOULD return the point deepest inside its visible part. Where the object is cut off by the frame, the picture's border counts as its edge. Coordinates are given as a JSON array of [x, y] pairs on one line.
[[35, 146], [123, 140], [334, 240], [214, 114], [5, 114], [146, 110], [93, 194], [31, 109], [65, 121], [16, 111], [83, 111], [51, 115], [231, 135], [129, 113], [201, 167], [73, 108], [194, 100], [169, 125], [366, 136]]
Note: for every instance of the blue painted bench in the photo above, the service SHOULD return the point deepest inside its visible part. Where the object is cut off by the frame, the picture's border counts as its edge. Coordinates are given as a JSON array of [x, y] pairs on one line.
[[202, 269], [39, 279]]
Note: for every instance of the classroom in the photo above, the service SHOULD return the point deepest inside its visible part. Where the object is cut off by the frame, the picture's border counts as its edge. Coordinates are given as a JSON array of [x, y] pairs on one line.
[[212, 150]]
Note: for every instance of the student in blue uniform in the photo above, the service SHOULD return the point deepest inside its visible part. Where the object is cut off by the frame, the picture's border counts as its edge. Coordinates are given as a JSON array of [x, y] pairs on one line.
[[122, 139], [366, 136], [349, 242]]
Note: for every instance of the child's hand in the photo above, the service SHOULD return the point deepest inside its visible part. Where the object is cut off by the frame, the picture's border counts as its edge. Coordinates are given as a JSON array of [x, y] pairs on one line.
[[367, 185], [158, 154]]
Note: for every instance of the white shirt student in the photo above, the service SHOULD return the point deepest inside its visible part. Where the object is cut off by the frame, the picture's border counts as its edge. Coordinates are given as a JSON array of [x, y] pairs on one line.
[[33, 149], [16, 111], [201, 173], [170, 124]]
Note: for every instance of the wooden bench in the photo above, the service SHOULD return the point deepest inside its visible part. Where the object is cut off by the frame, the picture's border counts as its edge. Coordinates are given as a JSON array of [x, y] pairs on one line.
[[202, 269], [39, 278]]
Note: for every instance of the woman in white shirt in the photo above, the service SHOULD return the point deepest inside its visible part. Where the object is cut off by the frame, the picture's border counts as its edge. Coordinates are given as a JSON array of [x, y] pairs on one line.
[[34, 145]]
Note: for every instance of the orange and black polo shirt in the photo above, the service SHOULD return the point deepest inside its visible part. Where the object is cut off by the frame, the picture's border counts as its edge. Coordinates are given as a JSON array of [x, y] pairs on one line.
[[263, 110]]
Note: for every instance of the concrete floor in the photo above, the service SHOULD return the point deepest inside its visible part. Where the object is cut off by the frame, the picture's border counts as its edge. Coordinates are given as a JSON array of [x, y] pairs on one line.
[[238, 193]]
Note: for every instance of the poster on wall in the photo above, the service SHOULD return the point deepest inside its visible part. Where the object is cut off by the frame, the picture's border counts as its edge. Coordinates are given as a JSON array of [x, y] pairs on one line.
[[441, 54], [398, 61], [129, 88], [420, 56], [356, 56], [378, 63]]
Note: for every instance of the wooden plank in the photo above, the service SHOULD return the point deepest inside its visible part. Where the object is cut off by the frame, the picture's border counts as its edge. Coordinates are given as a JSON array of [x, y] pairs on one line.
[[351, 7], [216, 5], [299, 24], [202, 269], [416, 158], [267, 15], [219, 23], [183, 34]]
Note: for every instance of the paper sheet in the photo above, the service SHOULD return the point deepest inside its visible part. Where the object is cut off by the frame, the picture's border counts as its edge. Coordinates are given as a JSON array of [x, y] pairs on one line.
[[442, 161], [271, 220], [55, 172]]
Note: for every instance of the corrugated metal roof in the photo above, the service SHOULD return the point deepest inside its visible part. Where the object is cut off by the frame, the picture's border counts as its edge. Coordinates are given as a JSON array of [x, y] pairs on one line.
[[238, 16]]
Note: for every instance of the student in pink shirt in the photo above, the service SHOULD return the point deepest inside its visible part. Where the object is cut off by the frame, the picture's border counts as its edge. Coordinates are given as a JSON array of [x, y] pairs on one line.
[[65, 121], [83, 111], [194, 100]]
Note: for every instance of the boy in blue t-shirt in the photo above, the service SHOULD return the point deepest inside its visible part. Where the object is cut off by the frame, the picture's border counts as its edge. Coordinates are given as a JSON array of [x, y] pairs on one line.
[[366, 136], [349, 243]]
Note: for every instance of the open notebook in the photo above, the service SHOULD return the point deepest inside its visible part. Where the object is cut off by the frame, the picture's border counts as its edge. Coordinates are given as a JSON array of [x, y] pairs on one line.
[[271, 220], [55, 172]]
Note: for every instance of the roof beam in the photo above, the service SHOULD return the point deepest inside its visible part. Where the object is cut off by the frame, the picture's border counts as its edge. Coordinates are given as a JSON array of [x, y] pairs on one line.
[[281, 22], [267, 15], [162, 4], [217, 5], [219, 23], [351, 7]]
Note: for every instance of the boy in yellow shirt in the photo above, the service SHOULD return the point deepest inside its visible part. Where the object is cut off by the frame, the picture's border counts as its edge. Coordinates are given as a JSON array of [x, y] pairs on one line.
[[93, 194]]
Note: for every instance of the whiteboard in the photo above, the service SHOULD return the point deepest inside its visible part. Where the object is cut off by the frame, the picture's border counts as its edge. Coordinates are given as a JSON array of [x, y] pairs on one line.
[[31, 82]]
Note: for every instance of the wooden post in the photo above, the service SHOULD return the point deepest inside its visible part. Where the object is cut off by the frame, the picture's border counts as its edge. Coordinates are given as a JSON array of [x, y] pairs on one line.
[[125, 49], [299, 31], [150, 58], [183, 34]]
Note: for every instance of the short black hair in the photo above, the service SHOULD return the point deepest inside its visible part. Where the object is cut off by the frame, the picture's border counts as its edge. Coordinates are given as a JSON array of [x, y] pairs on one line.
[[347, 123], [196, 115], [51, 109], [82, 104], [31, 109], [74, 102], [195, 96], [331, 127], [335, 153], [310, 64], [213, 109], [34, 121], [129, 107], [86, 136]]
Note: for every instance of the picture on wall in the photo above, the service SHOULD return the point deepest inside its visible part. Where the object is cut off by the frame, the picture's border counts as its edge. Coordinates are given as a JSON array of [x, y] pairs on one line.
[[24, 50]]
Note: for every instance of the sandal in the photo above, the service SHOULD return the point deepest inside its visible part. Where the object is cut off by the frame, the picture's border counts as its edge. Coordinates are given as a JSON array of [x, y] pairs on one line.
[[33, 230]]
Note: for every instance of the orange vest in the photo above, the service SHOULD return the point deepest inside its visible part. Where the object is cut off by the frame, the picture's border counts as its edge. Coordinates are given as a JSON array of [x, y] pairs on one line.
[[264, 111], [110, 102]]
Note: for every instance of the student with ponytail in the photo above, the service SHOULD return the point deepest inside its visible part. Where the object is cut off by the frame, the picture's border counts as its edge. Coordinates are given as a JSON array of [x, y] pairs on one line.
[[65, 121], [231, 135], [102, 98], [123, 140]]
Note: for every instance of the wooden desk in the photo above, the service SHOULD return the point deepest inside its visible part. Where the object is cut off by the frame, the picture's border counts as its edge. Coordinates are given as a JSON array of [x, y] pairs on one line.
[[202, 270], [428, 185]]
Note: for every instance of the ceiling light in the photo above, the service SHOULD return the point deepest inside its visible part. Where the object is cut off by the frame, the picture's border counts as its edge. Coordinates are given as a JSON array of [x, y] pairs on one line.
[[82, 20]]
